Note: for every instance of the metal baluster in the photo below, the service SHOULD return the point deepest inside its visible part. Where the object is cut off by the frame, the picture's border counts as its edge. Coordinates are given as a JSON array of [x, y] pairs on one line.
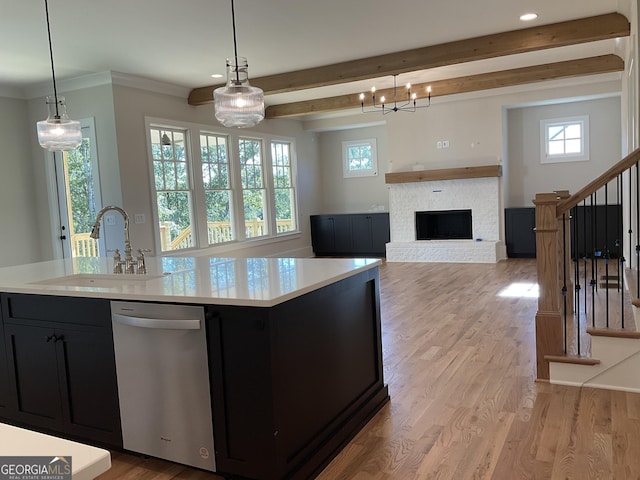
[[606, 251], [621, 258], [564, 277]]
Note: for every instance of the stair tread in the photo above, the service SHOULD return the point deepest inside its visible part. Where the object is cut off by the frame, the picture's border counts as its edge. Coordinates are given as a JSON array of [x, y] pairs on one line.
[[613, 332], [572, 359]]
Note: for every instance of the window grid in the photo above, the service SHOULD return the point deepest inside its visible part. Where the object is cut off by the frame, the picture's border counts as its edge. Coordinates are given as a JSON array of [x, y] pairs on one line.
[[359, 158], [173, 189], [284, 194], [564, 139], [234, 182], [214, 155], [252, 183]]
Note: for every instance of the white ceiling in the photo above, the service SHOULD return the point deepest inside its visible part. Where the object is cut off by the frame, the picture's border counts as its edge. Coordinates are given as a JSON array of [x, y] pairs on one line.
[[184, 42]]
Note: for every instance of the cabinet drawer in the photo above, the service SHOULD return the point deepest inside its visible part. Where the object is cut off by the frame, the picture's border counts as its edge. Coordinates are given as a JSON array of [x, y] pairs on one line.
[[70, 310]]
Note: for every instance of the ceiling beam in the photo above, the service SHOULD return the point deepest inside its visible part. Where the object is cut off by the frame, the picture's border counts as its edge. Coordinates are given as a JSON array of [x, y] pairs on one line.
[[572, 32], [471, 83]]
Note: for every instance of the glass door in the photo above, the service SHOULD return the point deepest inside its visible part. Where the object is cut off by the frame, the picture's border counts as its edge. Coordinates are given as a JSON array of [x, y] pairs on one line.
[[78, 191]]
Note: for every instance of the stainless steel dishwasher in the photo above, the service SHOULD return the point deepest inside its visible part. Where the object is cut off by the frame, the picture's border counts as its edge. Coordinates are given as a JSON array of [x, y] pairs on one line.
[[163, 381]]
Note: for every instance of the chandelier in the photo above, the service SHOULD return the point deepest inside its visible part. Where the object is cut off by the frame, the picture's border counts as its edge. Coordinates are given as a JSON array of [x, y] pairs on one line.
[[407, 104], [238, 104], [57, 132]]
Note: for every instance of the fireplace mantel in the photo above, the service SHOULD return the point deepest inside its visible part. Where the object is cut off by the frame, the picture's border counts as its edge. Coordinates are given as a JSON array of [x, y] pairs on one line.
[[444, 174]]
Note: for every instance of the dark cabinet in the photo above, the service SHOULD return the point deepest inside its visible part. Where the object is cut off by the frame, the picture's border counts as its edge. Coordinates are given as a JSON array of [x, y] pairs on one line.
[[350, 234], [295, 381], [520, 233], [595, 230], [61, 366], [5, 392]]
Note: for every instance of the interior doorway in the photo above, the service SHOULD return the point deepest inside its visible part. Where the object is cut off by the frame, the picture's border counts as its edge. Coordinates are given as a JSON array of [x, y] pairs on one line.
[[78, 196]]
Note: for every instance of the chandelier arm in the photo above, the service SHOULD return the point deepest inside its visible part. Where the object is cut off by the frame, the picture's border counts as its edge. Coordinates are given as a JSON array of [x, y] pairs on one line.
[[53, 72], [235, 43]]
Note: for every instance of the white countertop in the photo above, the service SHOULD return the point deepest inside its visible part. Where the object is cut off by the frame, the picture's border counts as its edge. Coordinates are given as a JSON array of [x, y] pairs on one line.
[[86, 462], [262, 282]]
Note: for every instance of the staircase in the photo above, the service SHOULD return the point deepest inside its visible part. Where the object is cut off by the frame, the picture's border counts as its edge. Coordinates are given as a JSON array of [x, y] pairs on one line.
[[587, 324]]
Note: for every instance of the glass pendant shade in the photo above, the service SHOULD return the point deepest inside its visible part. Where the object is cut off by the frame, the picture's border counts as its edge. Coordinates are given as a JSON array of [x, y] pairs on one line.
[[238, 104], [58, 131]]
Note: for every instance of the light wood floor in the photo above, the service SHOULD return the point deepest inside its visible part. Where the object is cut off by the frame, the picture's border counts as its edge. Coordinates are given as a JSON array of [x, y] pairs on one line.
[[459, 361]]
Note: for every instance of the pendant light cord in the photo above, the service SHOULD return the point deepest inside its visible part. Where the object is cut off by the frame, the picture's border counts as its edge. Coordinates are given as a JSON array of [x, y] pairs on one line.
[[235, 43], [53, 72]]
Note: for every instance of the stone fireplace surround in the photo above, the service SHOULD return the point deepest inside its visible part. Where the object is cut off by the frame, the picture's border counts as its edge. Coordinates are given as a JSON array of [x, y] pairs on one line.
[[475, 188]]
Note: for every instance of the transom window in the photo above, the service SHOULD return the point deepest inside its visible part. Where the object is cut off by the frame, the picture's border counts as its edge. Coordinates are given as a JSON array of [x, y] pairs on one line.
[[565, 139], [237, 190], [360, 158]]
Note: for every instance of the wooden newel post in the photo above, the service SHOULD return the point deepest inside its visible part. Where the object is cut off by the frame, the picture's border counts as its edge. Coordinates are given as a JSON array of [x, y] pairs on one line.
[[549, 331]]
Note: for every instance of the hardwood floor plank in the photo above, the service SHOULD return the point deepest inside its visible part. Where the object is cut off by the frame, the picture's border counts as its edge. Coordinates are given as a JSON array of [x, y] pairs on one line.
[[459, 360]]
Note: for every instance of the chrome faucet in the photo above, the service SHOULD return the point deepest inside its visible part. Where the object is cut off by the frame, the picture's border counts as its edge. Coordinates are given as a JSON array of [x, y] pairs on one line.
[[95, 233]]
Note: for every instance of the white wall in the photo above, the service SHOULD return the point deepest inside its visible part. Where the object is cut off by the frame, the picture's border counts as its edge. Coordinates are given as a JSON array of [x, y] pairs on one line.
[[355, 194], [474, 126], [528, 176], [19, 235], [132, 105], [93, 102]]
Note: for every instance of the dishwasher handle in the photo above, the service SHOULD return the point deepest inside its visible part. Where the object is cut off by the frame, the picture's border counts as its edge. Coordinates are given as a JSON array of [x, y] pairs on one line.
[[156, 323]]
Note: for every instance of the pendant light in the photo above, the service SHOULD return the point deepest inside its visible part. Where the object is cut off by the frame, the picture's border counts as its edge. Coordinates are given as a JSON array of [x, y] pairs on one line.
[[57, 132], [238, 104]]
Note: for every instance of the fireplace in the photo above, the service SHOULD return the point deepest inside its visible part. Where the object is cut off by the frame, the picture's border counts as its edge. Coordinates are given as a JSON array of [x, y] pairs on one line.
[[444, 225], [449, 195]]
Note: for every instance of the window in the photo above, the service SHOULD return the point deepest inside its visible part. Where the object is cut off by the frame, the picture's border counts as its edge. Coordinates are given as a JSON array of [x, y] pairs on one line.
[[239, 189], [360, 158], [564, 139], [253, 190], [283, 192], [173, 189], [216, 182]]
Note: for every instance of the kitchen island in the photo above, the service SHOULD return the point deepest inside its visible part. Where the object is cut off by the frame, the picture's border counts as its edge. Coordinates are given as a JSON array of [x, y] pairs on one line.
[[293, 347]]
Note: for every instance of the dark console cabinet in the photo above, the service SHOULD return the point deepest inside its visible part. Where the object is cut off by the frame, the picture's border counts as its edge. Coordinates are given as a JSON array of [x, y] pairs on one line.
[[598, 229], [520, 232], [350, 234]]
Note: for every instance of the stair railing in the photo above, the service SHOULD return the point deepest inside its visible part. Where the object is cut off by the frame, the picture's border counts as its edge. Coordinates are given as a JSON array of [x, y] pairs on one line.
[[580, 255]]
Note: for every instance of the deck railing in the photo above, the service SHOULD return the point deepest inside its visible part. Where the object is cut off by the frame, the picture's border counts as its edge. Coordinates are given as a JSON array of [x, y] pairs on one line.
[[217, 232], [582, 244], [82, 245]]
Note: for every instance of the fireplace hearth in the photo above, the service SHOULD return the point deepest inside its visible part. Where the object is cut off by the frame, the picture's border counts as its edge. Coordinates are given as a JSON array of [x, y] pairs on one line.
[[444, 225]]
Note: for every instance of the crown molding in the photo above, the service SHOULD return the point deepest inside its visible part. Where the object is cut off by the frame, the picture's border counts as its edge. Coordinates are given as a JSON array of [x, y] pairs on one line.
[[102, 78]]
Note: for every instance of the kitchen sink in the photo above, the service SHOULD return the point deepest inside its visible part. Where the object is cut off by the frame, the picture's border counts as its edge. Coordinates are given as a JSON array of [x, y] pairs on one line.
[[98, 280]]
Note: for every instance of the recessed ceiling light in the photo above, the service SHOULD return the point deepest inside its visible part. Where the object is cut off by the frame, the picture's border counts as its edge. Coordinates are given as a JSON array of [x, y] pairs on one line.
[[216, 75], [527, 17]]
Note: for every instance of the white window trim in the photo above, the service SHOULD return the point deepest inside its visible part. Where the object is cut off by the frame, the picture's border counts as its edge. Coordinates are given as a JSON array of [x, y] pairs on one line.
[[583, 156], [371, 172], [193, 131]]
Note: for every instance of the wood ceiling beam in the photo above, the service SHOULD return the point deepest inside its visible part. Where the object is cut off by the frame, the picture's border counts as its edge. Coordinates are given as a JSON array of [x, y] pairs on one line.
[[505, 78], [572, 32]]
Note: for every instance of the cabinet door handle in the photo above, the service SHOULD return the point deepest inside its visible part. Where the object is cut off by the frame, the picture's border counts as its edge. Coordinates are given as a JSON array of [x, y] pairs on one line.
[[48, 338], [57, 338]]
